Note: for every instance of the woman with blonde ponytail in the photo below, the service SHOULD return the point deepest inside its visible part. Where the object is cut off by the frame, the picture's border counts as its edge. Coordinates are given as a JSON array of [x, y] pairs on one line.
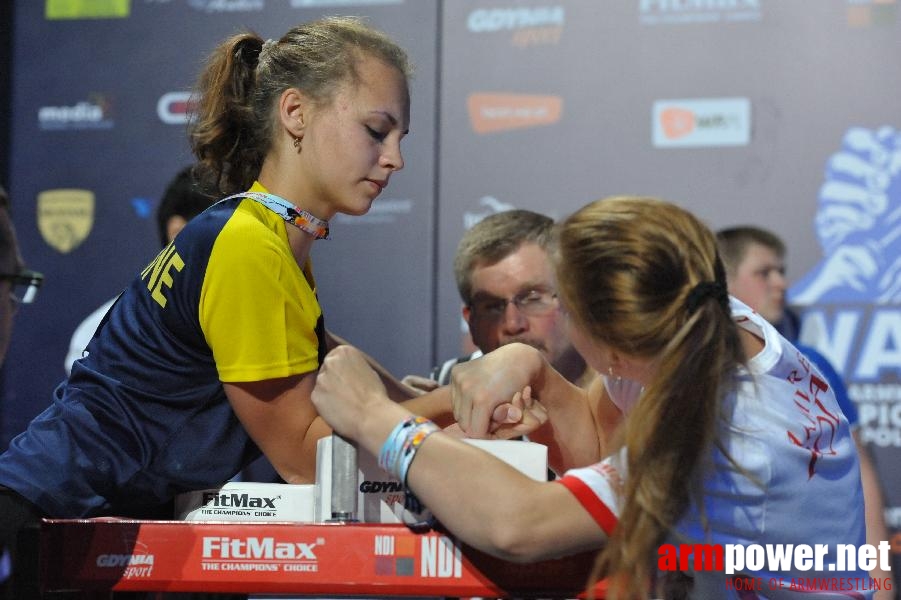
[[731, 438]]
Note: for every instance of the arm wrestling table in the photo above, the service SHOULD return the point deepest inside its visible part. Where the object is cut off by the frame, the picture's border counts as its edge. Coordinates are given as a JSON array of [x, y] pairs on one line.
[[340, 557], [290, 558]]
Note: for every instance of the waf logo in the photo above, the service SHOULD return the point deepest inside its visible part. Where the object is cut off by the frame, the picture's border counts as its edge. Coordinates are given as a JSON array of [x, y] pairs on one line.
[[701, 122], [490, 113]]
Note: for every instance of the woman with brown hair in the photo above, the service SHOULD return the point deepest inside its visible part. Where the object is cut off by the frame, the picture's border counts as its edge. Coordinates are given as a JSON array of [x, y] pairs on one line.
[[209, 357], [730, 438]]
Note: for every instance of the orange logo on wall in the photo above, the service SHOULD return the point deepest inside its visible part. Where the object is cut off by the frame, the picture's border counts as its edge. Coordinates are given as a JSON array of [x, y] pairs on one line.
[[677, 122], [489, 113]]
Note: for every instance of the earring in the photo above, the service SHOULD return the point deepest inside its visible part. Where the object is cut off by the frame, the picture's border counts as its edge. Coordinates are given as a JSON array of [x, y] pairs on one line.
[[297, 144], [610, 373]]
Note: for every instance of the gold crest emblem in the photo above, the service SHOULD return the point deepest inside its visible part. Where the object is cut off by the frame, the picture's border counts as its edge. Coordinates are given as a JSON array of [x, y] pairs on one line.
[[65, 217]]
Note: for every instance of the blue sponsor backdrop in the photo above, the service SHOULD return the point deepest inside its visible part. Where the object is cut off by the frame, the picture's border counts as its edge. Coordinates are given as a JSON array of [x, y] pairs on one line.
[[782, 114], [98, 106]]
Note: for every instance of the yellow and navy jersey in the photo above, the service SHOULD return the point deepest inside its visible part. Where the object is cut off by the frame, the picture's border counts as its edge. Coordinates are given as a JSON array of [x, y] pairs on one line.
[[144, 415]]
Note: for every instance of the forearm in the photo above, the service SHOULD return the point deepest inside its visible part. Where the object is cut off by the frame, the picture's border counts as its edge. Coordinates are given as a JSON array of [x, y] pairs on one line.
[[571, 433], [482, 500], [493, 507], [504, 512]]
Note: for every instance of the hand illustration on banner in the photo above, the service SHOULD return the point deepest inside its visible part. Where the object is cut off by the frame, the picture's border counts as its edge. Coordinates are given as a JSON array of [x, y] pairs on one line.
[[858, 223]]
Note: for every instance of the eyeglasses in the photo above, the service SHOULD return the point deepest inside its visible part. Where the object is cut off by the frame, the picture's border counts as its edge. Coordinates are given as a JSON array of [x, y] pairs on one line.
[[531, 303], [25, 285]]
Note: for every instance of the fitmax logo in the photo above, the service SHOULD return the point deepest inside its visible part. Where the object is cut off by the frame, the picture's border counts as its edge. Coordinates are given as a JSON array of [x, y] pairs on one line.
[[256, 548], [237, 500]]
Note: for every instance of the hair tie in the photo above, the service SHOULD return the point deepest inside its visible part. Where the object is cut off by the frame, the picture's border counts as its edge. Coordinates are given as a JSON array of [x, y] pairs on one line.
[[248, 52], [704, 291]]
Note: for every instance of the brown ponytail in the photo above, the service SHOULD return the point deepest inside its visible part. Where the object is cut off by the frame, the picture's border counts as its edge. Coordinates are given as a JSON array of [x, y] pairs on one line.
[[222, 134], [627, 267]]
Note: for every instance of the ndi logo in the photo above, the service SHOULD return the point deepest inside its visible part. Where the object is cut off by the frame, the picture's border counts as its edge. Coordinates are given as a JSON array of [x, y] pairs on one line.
[[395, 555], [441, 558]]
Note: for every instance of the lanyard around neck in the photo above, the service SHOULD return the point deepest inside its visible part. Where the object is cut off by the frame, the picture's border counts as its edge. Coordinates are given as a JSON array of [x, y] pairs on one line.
[[289, 213]]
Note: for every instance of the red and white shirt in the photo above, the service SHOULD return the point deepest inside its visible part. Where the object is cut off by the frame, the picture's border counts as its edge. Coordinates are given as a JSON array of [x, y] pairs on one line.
[[798, 482]]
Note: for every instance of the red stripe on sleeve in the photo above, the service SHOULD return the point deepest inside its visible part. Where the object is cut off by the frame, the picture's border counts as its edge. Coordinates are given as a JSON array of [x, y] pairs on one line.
[[599, 511]]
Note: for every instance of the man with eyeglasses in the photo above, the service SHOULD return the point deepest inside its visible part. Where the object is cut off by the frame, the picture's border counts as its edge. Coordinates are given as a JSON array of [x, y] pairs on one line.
[[18, 285], [506, 281]]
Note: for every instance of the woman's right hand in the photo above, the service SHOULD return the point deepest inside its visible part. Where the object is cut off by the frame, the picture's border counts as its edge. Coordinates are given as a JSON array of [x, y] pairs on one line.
[[347, 389], [492, 395]]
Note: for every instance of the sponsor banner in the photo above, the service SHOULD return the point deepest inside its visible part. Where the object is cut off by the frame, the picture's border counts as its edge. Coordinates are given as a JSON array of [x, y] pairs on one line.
[[345, 559], [490, 206], [693, 12], [707, 122], [174, 108], [868, 13], [87, 9], [227, 6], [491, 113], [65, 217], [850, 301], [858, 224], [249, 501], [332, 3], [528, 26], [85, 114], [862, 342]]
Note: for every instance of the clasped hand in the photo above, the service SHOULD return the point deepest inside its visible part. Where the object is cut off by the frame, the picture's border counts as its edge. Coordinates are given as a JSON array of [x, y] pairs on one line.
[[493, 396]]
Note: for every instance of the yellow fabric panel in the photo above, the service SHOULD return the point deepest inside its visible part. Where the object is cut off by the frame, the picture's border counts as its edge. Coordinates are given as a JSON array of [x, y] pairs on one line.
[[257, 309]]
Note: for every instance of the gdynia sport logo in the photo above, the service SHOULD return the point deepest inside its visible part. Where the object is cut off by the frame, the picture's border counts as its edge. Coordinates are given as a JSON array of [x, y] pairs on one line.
[[784, 566]]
